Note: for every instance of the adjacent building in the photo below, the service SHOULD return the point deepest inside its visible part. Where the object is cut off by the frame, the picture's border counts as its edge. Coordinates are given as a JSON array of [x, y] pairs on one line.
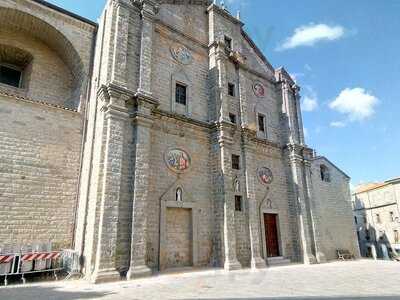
[[159, 138], [376, 214]]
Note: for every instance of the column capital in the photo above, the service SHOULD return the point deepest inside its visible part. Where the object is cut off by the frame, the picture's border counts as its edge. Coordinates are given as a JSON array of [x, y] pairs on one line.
[[225, 132], [112, 91], [248, 137], [114, 100], [219, 50], [145, 99], [149, 8]]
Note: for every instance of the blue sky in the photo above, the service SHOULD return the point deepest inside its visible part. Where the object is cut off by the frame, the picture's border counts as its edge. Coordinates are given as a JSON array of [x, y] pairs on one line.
[[345, 56]]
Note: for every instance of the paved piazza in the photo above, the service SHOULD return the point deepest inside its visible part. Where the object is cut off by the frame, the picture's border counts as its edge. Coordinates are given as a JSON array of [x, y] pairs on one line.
[[349, 280]]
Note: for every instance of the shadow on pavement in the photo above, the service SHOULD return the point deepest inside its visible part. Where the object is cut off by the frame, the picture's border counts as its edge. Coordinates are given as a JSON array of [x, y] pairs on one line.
[[307, 298], [48, 293]]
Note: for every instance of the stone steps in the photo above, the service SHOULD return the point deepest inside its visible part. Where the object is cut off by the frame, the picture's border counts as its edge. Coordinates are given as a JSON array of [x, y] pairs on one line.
[[278, 261]]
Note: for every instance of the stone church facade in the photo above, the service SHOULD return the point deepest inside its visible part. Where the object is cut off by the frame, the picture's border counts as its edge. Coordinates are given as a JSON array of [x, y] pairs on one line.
[[159, 138]]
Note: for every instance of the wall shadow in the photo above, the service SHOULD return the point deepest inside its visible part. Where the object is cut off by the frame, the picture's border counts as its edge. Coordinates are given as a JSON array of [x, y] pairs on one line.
[[308, 298], [47, 293]]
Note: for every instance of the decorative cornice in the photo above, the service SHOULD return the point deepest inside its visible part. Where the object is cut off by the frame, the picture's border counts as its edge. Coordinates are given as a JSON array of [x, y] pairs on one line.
[[256, 49], [182, 118], [66, 12], [249, 135], [36, 102], [147, 99], [113, 90], [243, 66]]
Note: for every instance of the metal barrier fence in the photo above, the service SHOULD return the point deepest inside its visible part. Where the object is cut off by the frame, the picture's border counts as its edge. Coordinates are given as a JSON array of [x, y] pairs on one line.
[[21, 264]]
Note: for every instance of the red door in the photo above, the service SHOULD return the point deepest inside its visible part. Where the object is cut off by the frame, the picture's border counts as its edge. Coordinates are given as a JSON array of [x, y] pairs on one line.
[[271, 234]]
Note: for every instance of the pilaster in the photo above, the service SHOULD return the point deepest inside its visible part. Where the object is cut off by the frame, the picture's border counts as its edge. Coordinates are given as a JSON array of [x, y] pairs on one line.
[[249, 158], [221, 59], [302, 202], [115, 117], [120, 59], [243, 98], [297, 97], [225, 144], [142, 122], [148, 13]]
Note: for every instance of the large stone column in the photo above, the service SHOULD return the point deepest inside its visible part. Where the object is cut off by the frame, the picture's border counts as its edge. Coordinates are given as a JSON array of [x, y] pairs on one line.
[[302, 203], [115, 118], [225, 142], [148, 12], [257, 261], [299, 116], [142, 122], [120, 59], [243, 98]]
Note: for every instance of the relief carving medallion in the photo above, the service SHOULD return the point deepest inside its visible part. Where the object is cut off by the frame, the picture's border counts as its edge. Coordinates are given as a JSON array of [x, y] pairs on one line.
[[265, 175], [259, 89], [177, 160], [181, 54]]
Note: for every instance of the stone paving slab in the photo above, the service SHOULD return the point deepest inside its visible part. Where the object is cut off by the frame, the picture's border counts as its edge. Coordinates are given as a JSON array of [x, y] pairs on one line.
[[340, 280]]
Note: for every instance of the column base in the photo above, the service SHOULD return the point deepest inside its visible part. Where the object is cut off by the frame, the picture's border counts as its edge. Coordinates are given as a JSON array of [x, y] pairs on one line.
[[139, 272], [232, 265], [103, 276], [321, 258], [258, 263], [309, 259]]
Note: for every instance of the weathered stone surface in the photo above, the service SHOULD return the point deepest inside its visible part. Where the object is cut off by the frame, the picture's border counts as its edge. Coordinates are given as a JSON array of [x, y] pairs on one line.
[[138, 213]]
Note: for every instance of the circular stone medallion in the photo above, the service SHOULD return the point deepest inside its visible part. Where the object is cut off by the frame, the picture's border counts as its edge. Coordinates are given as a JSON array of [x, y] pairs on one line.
[[177, 160], [265, 175], [259, 89], [181, 54]]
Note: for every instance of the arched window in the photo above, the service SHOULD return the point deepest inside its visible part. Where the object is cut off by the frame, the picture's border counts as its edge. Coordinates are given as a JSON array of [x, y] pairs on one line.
[[325, 175]]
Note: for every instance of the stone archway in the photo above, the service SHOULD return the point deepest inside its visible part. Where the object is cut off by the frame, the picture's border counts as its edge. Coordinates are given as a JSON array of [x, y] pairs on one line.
[[17, 20]]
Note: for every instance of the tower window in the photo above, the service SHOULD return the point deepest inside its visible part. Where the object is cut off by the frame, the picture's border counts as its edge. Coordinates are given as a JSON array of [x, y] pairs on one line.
[[228, 43], [232, 118], [238, 203], [325, 176], [10, 76], [235, 162], [231, 89], [181, 94], [261, 123]]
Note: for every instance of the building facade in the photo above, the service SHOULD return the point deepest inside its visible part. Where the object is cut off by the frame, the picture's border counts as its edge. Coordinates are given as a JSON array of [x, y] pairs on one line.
[[376, 213], [160, 138]]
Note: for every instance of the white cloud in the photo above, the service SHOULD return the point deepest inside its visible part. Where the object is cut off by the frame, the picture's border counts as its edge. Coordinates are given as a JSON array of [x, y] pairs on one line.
[[310, 100], [338, 124], [356, 103], [309, 35], [309, 103]]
